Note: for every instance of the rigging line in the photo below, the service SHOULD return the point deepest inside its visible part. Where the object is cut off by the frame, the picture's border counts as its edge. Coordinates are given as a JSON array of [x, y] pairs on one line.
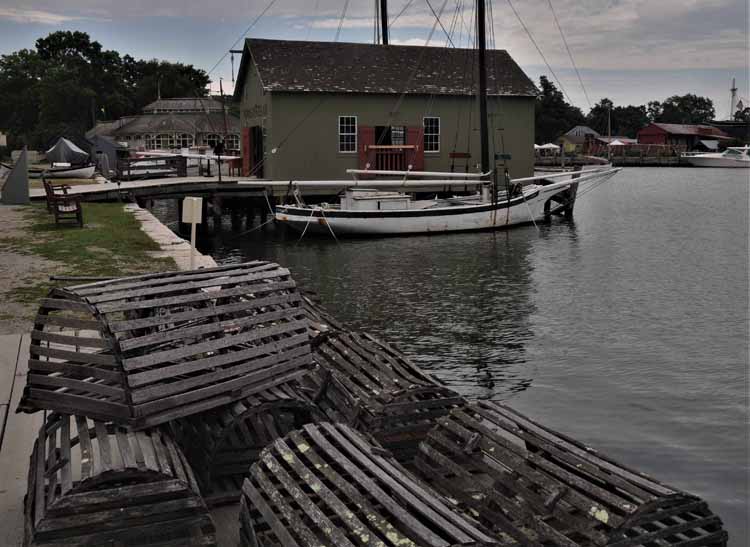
[[413, 73], [312, 212], [341, 21], [250, 26], [431, 101], [533, 41], [440, 22], [400, 13], [322, 212], [310, 21], [562, 35], [251, 230]]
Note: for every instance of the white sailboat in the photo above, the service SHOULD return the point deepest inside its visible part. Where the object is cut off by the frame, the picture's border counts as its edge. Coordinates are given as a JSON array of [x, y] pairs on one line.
[[374, 208], [377, 207]]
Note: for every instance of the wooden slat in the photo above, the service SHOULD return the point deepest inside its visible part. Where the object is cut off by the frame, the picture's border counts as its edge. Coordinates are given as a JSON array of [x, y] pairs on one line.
[[171, 344], [534, 484], [322, 485], [116, 501]]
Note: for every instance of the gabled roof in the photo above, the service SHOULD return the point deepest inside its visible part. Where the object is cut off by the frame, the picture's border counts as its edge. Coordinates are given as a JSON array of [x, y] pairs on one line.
[[581, 131], [183, 104], [325, 67], [178, 122], [686, 129], [578, 134]]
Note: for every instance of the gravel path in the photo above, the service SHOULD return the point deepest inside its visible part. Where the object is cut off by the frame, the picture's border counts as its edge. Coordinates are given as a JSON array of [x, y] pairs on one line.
[[16, 270]]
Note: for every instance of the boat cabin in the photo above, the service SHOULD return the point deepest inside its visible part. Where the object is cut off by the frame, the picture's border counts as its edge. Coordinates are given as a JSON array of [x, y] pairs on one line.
[[312, 110]]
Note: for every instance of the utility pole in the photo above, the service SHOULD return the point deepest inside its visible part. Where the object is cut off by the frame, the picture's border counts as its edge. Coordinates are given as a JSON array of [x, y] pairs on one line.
[[483, 129], [733, 100], [384, 21], [609, 131]]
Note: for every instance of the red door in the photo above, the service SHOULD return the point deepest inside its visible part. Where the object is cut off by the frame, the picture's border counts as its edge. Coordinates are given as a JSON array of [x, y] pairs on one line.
[[247, 151]]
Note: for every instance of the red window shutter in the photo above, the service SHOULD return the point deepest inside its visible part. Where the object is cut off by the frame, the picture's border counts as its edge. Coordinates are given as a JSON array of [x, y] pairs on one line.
[[414, 135], [365, 138], [247, 151]]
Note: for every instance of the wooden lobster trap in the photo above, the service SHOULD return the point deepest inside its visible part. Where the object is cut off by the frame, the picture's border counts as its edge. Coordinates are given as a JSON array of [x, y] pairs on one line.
[[534, 486], [222, 443], [320, 320], [146, 350], [375, 388], [93, 483], [327, 485]]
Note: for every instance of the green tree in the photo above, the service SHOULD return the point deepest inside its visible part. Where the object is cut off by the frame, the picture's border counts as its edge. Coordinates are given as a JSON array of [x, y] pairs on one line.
[[554, 116], [625, 120], [69, 82], [742, 115], [20, 74], [685, 109], [597, 117]]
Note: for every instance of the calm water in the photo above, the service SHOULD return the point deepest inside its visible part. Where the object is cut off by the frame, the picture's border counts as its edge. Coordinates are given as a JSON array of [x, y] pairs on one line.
[[626, 328]]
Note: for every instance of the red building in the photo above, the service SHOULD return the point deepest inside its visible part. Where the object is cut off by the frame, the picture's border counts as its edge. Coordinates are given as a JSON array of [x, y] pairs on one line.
[[680, 135]]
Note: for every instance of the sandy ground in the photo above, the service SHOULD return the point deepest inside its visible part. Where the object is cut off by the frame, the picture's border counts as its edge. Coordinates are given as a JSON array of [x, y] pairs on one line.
[[17, 269]]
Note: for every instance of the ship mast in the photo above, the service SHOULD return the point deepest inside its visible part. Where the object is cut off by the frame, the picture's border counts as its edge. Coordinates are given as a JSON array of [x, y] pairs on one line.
[[384, 21], [483, 130]]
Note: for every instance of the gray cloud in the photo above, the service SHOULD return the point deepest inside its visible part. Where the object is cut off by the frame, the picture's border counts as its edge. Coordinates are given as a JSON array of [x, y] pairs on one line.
[[603, 34]]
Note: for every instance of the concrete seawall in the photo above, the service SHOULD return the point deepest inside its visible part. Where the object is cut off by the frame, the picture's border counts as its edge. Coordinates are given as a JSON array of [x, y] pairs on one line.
[[172, 245]]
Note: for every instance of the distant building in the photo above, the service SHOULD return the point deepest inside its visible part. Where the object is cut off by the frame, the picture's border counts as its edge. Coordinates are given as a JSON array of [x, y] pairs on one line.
[[169, 124], [310, 110], [680, 135], [740, 131], [577, 139]]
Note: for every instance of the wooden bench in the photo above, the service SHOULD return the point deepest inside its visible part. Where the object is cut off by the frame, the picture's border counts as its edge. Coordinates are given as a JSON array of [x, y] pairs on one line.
[[64, 206]]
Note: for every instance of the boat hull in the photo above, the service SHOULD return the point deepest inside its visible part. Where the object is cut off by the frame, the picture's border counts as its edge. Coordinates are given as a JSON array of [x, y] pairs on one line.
[[77, 173], [461, 218], [698, 161]]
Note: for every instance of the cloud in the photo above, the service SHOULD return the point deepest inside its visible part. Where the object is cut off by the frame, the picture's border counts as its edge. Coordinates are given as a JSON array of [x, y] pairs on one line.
[[608, 34], [34, 16]]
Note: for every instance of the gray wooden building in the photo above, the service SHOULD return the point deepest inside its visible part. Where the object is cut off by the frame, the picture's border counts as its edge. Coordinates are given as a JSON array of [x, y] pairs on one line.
[[311, 110]]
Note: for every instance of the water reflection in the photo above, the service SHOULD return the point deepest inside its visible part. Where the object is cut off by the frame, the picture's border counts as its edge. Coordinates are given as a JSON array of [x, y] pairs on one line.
[[459, 305]]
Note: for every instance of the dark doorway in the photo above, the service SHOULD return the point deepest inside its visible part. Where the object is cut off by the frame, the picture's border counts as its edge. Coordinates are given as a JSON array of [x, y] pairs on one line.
[[387, 135], [257, 151]]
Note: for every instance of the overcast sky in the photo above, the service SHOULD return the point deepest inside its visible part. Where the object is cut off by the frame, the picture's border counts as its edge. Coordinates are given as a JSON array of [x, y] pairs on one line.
[[631, 51]]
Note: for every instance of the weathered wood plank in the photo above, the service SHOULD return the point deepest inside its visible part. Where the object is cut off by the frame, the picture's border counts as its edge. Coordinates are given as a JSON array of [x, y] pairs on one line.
[[534, 484], [115, 501]]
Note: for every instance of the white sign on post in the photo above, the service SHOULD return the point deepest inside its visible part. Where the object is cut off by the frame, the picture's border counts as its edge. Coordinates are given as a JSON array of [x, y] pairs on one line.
[[192, 211]]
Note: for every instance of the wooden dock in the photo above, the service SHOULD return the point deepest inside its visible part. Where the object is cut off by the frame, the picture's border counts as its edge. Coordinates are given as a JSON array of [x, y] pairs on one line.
[[179, 187], [17, 435]]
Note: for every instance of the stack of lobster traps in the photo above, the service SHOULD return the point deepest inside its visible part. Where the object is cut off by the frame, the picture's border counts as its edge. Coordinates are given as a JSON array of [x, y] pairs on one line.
[[171, 393], [159, 387]]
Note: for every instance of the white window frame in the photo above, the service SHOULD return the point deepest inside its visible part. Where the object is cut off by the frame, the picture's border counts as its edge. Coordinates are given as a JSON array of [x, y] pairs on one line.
[[424, 134], [339, 133]]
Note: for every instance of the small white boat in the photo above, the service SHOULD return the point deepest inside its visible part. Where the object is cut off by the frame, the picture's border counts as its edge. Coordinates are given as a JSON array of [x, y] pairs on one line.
[[367, 209], [85, 172], [737, 156]]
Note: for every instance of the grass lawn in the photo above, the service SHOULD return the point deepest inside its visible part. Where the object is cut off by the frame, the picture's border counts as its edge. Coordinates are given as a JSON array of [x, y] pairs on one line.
[[111, 243]]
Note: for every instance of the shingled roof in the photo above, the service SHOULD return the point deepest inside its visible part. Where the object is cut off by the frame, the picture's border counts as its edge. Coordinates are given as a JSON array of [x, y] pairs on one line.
[[325, 67]]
